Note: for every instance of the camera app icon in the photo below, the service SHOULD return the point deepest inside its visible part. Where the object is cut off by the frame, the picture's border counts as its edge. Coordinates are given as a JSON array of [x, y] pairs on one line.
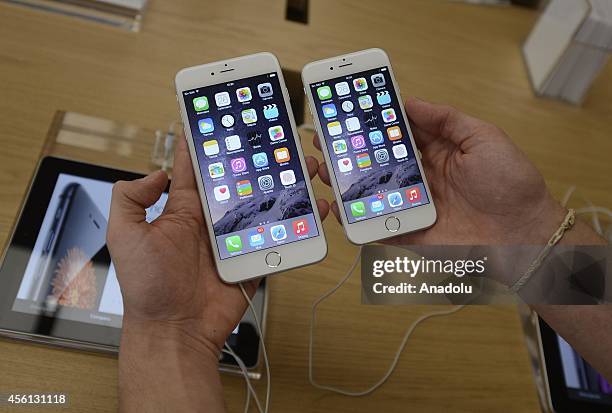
[[378, 80], [265, 90]]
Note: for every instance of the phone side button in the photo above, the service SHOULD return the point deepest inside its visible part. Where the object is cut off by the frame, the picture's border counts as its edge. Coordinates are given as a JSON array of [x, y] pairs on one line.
[[392, 224], [273, 259]]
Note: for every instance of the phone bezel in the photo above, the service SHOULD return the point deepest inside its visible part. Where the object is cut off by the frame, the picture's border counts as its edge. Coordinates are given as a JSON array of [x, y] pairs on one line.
[[232, 270], [372, 229]]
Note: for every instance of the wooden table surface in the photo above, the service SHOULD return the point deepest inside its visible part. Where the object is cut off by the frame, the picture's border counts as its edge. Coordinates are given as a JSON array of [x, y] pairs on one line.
[[467, 56]]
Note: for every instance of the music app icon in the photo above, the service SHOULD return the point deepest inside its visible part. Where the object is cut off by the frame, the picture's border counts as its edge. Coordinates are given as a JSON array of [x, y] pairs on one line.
[[300, 227], [413, 194]]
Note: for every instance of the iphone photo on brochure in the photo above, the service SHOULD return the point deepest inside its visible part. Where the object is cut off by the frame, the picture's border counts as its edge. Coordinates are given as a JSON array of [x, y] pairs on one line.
[[376, 173], [256, 195]]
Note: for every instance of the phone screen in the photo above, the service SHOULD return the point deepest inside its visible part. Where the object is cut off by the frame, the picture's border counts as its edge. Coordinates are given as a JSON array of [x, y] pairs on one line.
[[582, 381], [256, 191], [369, 144]]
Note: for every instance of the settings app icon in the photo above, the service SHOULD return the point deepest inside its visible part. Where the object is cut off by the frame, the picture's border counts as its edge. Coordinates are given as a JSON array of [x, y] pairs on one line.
[[265, 182]]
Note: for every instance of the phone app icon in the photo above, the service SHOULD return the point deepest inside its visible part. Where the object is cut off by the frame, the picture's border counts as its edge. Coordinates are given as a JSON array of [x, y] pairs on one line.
[[233, 243], [222, 99], [276, 133], [287, 177], [211, 147], [254, 138], [238, 165], [265, 182], [324, 92], [365, 102], [358, 142], [200, 103], [264, 90], [399, 151], [334, 128], [347, 106], [221, 192], [256, 239], [413, 194], [339, 146], [260, 159], [232, 143], [278, 232], [270, 111], [360, 84], [227, 121], [244, 94], [282, 155], [342, 89], [377, 204], [378, 80], [383, 98], [345, 165], [244, 188], [300, 227], [352, 124], [358, 209], [329, 110], [216, 170], [389, 115], [394, 133], [395, 199], [206, 125], [381, 155], [363, 160], [249, 116], [376, 137]]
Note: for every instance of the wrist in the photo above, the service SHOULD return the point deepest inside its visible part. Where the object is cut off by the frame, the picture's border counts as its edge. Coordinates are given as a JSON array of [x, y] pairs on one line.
[[514, 259], [144, 336], [165, 367], [546, 220]]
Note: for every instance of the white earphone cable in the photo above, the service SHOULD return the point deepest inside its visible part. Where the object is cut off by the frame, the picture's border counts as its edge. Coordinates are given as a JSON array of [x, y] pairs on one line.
[[263, 346], [250, 391], [398, 353]]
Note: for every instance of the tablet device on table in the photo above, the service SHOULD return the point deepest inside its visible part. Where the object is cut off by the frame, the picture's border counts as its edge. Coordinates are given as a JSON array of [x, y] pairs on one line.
[[568, 384], [57, 281]]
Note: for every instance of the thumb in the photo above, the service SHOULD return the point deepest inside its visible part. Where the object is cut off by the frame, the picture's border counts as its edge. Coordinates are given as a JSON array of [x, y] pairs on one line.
[[131, 198]]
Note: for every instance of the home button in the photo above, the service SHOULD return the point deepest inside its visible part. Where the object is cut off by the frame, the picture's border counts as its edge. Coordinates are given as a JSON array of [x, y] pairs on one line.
[[392, 224], [273, 259]]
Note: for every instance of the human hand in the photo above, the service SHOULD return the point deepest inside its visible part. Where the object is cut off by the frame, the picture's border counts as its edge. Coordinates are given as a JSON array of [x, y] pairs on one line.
[[485, 189], [166, 268]]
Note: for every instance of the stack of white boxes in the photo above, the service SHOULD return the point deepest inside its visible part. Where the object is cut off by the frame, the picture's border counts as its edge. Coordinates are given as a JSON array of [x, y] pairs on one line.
[[568, 47]]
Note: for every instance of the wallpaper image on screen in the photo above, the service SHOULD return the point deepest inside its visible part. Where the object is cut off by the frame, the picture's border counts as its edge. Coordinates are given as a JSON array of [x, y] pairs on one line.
[[581, 379], [255, 189], [369, 144]]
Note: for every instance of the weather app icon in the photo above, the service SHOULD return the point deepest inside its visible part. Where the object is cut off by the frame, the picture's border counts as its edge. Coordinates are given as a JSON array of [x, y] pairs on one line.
[[206, 125], [329, 110]]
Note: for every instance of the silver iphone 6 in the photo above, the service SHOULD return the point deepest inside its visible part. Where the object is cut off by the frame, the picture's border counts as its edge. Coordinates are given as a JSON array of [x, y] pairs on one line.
[[376, 173], [256, 194]]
